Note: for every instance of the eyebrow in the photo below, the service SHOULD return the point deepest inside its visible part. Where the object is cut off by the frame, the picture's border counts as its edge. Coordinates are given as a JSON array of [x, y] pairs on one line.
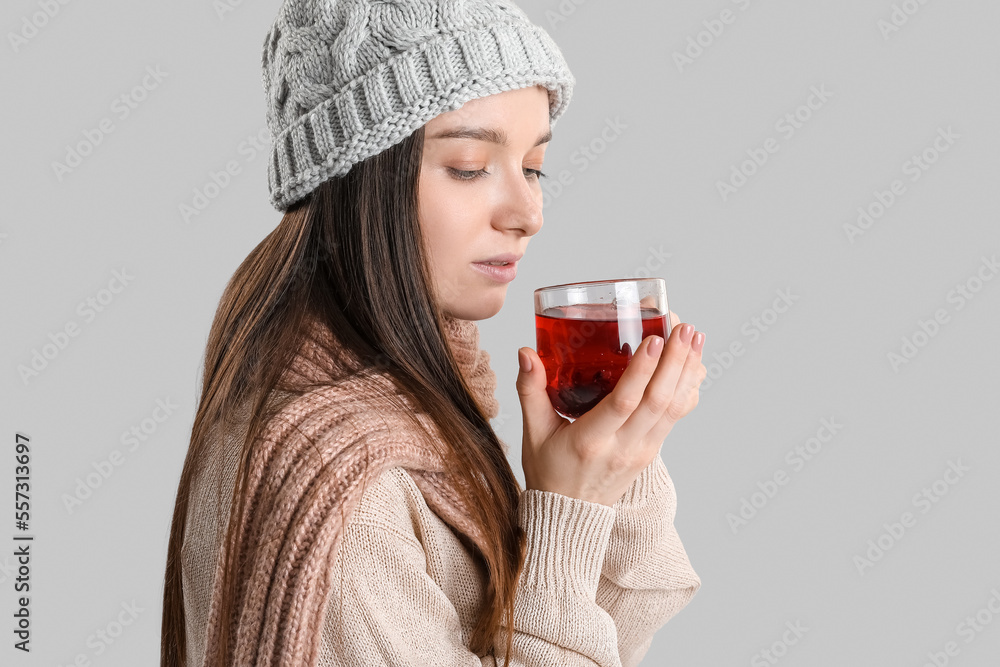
[[492, 135]]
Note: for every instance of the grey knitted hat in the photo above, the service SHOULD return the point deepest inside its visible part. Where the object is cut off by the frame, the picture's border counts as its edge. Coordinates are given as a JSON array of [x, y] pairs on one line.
[[346, 79]]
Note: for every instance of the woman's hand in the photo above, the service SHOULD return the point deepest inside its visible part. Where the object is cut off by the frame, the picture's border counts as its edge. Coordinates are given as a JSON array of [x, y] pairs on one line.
[[597, 457]]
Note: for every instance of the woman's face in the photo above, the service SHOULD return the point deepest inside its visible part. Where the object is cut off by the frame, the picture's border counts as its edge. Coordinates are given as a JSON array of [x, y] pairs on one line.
[[479, 198]]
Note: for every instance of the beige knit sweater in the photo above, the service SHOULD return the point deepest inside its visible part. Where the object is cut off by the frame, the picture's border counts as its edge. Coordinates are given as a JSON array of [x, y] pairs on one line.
[[597, 583]]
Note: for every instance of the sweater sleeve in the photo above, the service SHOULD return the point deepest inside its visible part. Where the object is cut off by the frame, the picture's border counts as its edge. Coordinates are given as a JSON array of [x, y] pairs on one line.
[[646, 576], [386, 609]]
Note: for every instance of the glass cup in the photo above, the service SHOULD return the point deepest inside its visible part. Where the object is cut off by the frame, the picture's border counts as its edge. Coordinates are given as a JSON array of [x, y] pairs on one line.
[[587, 332]]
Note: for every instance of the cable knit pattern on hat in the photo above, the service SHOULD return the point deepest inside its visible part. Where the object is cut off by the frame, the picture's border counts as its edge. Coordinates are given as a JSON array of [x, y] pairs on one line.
[[346, 79]]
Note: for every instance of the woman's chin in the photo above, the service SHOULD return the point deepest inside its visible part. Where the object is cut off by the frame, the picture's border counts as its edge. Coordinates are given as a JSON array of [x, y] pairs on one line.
[[488, 304]]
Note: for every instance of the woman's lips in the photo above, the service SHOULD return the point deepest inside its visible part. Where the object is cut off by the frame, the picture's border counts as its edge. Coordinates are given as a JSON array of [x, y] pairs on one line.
[[501, 274]]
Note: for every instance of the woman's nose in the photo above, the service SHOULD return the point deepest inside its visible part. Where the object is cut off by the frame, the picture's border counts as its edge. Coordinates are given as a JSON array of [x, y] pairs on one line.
[[522, 209]]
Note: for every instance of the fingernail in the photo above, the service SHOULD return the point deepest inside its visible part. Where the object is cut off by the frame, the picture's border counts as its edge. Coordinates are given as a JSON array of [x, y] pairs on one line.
[[524, 362], [698, 341], [686, 332], [655, 346]]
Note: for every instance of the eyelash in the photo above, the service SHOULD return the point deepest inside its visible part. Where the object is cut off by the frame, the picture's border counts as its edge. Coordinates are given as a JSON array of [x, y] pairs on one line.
[[473, 175]]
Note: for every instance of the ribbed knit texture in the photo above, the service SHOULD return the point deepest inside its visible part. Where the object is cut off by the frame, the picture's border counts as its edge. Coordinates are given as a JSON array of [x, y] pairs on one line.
[[346, 79], [597, 583]]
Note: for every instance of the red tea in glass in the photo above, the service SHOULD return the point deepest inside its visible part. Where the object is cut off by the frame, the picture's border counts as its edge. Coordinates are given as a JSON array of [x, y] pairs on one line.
[[585, 347]]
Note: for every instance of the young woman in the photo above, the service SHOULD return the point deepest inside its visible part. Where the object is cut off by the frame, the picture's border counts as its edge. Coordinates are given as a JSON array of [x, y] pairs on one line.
[[344, 499]]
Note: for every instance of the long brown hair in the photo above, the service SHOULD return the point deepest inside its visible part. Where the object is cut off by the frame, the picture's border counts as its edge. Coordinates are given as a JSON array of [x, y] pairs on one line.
[[351, 255]]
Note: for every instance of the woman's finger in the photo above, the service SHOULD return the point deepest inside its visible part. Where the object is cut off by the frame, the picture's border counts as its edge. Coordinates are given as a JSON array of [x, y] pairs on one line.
[[662, 387], [604, 419], [686, 396], [540, 420]]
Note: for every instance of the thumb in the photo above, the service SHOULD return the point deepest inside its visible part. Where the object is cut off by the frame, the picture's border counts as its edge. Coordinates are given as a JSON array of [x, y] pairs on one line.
[[538, 414]]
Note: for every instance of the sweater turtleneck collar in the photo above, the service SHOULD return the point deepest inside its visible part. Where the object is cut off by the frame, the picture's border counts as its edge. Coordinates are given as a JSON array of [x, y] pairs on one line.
[[462, 337], [473, 361]]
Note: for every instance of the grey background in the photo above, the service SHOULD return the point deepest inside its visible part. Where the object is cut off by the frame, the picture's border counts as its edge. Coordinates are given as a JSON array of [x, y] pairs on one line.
[[648, 200]]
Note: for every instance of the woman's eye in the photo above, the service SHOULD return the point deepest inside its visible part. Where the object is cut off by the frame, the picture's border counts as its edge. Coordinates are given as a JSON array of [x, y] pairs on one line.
[[463, 175]]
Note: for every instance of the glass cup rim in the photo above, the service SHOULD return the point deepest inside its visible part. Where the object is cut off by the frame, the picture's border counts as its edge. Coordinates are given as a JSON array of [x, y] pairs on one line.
[[599, 282]]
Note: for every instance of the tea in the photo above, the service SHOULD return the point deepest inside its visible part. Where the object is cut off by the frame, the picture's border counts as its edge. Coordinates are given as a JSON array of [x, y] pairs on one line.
[[586, 348]]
